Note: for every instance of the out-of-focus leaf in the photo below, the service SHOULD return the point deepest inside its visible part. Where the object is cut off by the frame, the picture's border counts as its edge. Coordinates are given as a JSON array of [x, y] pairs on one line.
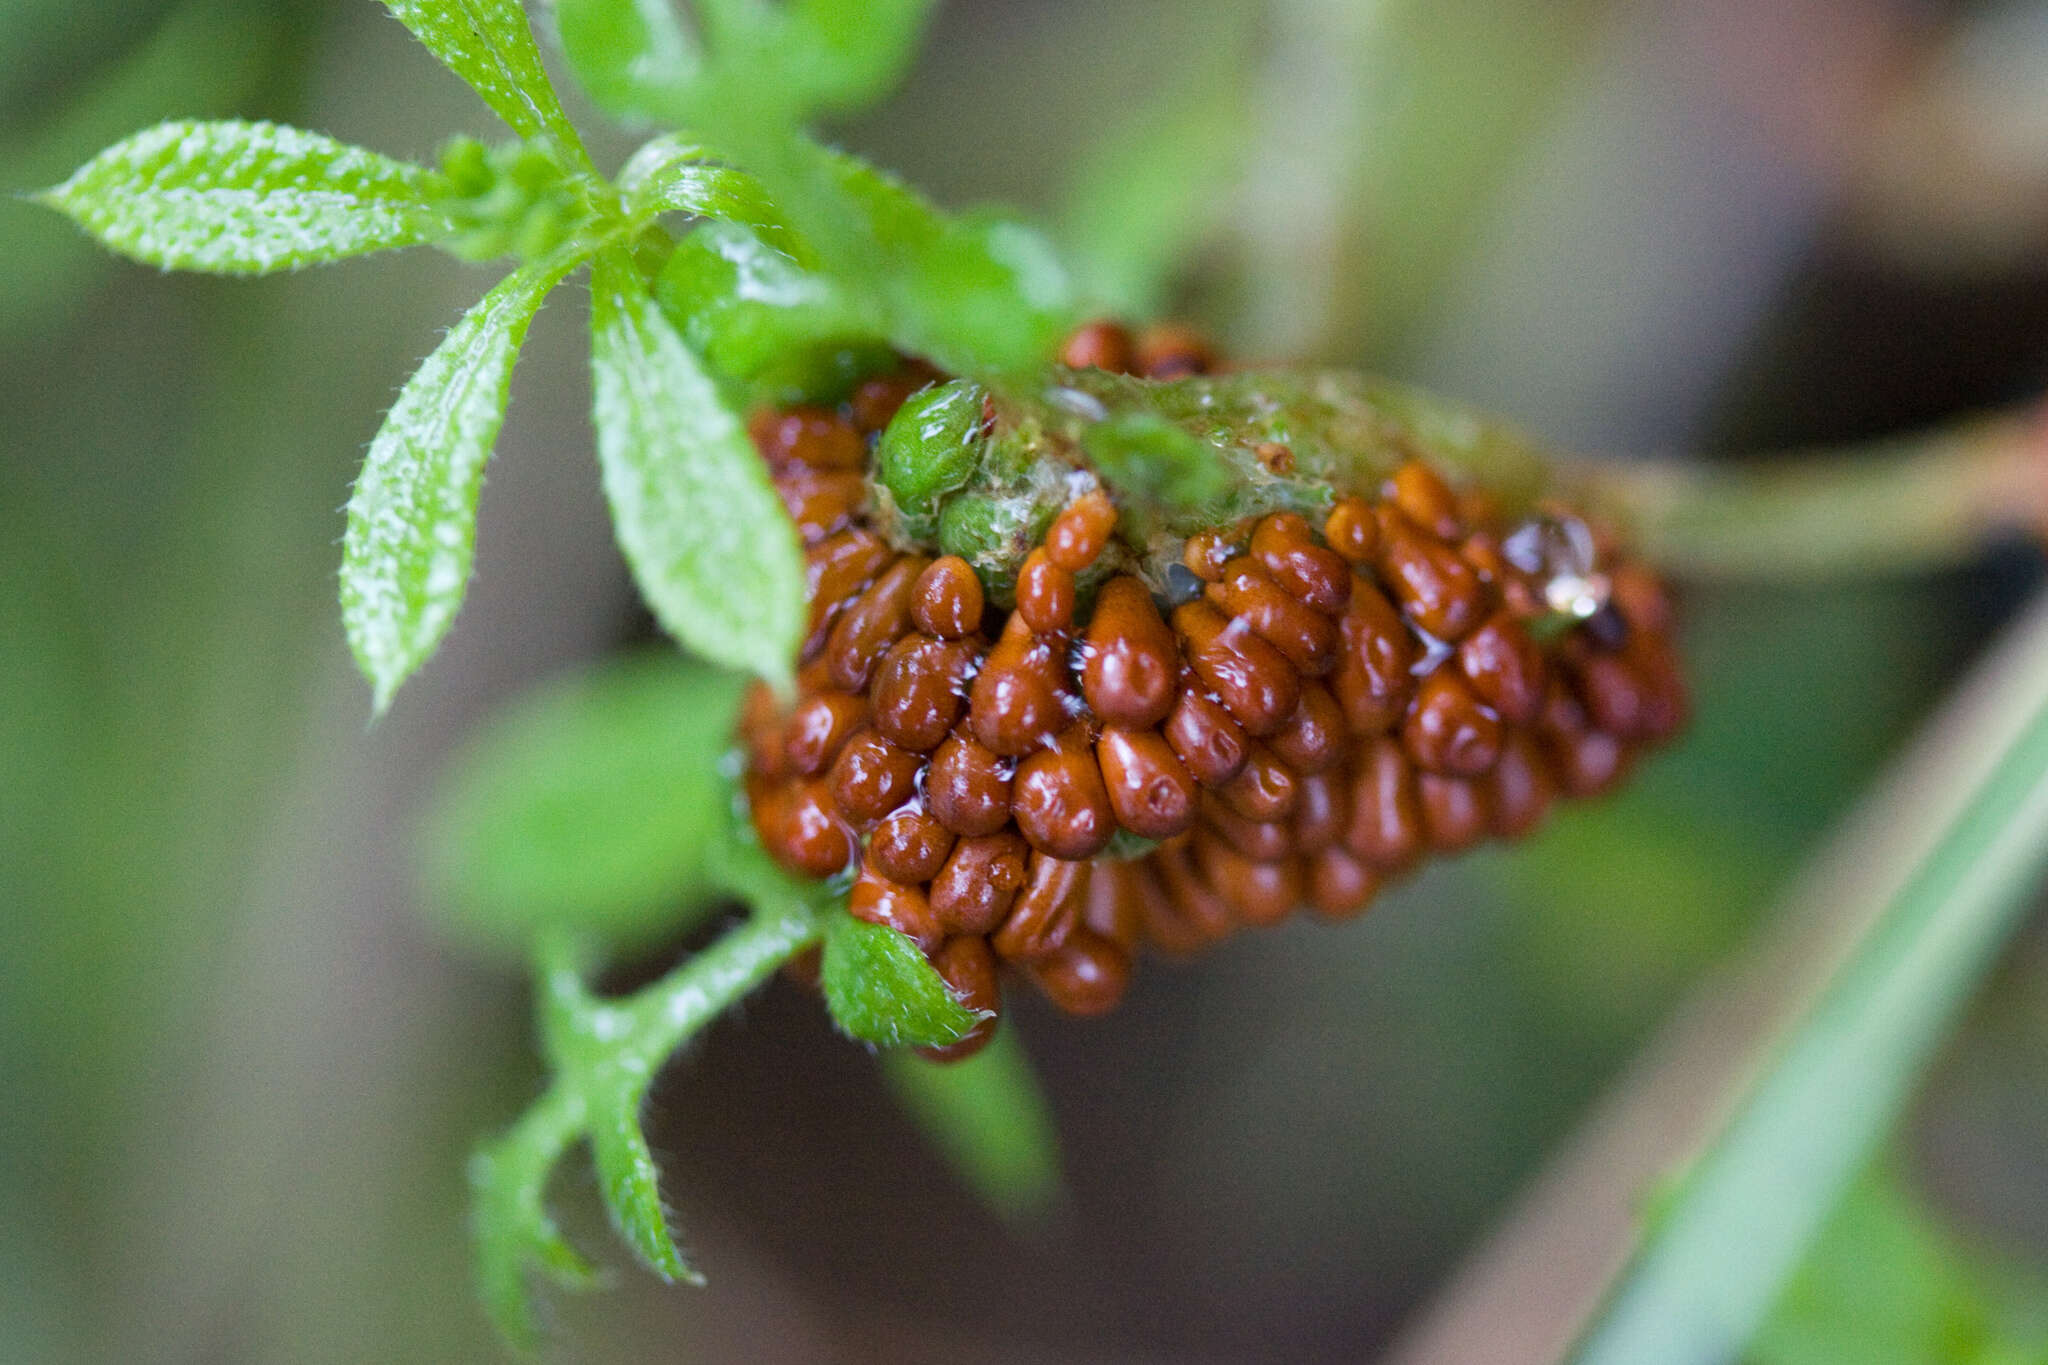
[[245, 198], [709, 543], [848, 53], [204, 59], [590, 805], [881, 990], [631, 56], [674, 175], [412, 518], [777, 332], [490, 45], [1886, 1282], [989, 1118], [1948, 859], [1151, 187], [627, 1175]]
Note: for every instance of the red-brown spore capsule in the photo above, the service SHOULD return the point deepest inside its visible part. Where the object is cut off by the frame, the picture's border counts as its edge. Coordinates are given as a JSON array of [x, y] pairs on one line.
[[1081, 531], [902, 908], [1519, 788], [834, 570], [1046, 912], [1189, 899], [1376, 655], [1313, 737], [1263, 893], [1099, 345], [807, 436], [1612, 693], [875, 622], [1045, 594], [1386, 822], [875, 401], [1205, 737], [920, 690], [804, 829], [1015, 700], [820, 502], [1111, 908], [1425, 499], [1087, 975], [1454, 814], [1305, 636], [1339, 885], [968, 788], [1129, 658], [819, 728], [1351, 530], [1060, 803], [910, 846], [872, 777], [1264, 789], [1585, 761], [1167, 921], [1437, 588], [1321, 811], [1171, 351], [979, 883], [1248, 675], [1205, 554], [968, 966], [1449, 730], [1505, 668], [1150, 790], [1263, 840], [947, 599], [1286, 547]]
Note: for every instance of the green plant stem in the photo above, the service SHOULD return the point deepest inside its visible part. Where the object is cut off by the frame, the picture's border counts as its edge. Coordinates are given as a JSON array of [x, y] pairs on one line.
[[604, 1054], [1906, 504], [1666, 1229]]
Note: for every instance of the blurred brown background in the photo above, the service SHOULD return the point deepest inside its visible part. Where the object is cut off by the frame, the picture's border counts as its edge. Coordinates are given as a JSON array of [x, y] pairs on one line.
[[238, 1072]]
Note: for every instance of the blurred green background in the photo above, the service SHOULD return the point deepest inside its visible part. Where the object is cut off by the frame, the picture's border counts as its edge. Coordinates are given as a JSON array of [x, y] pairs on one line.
[[238, 1072]]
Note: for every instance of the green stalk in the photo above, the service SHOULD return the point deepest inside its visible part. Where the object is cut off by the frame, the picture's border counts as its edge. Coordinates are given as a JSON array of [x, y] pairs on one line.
[[1923, 501], [1667, 1230]]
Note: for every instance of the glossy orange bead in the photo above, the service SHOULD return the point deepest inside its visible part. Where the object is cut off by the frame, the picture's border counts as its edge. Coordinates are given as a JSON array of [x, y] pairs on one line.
[[979, 883], [1150, 789], [1046, 912], [947, 599], [1129, 658], [1248, 676], [1081, 531], [968, 788], [920, 689], [1061, 804]]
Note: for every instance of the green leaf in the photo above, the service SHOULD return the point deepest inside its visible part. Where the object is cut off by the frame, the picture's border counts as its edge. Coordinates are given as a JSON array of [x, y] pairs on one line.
[[881, 990], [977, 296], [775, 331], [627, 1175], [594, 804], [707, 538], [412, 518], [1941, 868], [490, 46], [1886, 1281], [509, 1222], [1151, 187], [989, 1118], [846, 56], [245, 198], [630, 56], [673, 175]]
